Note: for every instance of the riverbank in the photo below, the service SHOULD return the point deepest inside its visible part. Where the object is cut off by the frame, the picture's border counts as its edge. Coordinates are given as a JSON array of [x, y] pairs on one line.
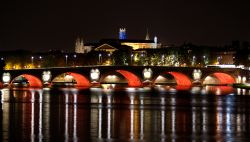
[[241, 85]]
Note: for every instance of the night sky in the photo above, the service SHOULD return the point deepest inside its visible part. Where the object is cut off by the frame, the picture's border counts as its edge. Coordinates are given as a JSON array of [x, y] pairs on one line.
[[41, 25]]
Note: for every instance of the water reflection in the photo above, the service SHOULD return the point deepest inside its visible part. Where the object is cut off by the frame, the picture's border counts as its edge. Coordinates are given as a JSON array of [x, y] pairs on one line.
[[132, 115]]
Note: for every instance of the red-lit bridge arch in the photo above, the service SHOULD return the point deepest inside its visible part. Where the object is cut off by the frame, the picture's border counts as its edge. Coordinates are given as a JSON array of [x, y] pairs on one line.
[[219, 78], [80, 80], [33, 81], [132, 79], [180, 78]]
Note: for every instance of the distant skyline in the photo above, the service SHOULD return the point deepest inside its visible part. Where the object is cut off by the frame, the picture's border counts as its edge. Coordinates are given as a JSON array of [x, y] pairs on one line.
[[43, 25]]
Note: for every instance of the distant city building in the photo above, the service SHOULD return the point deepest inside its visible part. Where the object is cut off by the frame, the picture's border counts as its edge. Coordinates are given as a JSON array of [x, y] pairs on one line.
[[106, 47], [224, 57], [110, 45], [81, 48], [140, 44], [122, 33]]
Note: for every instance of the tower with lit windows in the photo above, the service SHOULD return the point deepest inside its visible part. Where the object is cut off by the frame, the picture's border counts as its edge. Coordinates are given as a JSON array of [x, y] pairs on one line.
[[122, 33]]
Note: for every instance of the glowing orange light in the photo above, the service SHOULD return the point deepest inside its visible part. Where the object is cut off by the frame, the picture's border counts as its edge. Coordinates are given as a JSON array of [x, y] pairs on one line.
[[133, 80], [181, 87], [224, 78], [81, 80], [181, 79], [221, 90], [33, 81]]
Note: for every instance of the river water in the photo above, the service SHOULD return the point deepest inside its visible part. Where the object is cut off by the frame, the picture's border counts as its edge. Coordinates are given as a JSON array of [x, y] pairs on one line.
[[130, 114]]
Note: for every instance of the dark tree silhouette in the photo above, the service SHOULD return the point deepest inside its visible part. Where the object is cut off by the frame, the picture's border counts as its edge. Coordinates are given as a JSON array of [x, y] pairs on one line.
[[2, 64]]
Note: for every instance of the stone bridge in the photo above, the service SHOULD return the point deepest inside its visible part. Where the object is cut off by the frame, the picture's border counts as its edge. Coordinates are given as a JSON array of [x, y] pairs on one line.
[[132, 76]]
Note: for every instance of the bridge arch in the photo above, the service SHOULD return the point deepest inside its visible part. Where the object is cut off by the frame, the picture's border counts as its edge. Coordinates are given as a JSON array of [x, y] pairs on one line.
[[32, 81], [132, 79], [77, 79], [218, 78], [180, 78]]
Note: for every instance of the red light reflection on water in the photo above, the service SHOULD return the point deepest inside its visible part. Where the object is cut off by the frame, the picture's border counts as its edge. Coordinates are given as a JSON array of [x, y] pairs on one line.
[[181, 87], [220, 90], [63, 115]]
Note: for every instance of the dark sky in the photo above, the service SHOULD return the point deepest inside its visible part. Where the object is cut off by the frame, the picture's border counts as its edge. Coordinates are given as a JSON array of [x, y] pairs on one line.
[[41, 25]]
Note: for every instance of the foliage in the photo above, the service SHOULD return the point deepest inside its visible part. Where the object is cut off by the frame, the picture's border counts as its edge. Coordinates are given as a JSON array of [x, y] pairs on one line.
[[122, 56], [2, 64]]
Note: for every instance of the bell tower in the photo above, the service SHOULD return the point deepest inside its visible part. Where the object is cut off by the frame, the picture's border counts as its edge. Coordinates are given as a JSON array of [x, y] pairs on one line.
[[122, 33]]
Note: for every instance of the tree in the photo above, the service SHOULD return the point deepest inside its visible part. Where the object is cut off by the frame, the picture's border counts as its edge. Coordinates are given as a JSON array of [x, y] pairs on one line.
[[123, 56], [2, 64]]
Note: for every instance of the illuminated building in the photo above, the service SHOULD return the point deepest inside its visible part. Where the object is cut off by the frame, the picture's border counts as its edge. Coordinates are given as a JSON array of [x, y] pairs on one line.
[[140, 44], [106, 47], [110, 45], [81, 48], [224, 57]]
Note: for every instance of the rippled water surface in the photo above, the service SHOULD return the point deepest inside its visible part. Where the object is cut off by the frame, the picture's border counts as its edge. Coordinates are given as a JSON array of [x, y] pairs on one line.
[[129, 114]]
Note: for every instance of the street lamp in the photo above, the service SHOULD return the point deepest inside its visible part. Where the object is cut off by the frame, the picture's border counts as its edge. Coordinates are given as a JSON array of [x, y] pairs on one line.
[[75, 59], [132, 55], [193, 61], [66, 60], [40, 57], [163, 59], [142, 54], [219, 60], [32, 60], [100, 56], [204, 57], [110, 61]]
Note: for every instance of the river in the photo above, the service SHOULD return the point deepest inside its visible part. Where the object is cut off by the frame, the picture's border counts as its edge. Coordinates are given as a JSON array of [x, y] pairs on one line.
[[164, 113]]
